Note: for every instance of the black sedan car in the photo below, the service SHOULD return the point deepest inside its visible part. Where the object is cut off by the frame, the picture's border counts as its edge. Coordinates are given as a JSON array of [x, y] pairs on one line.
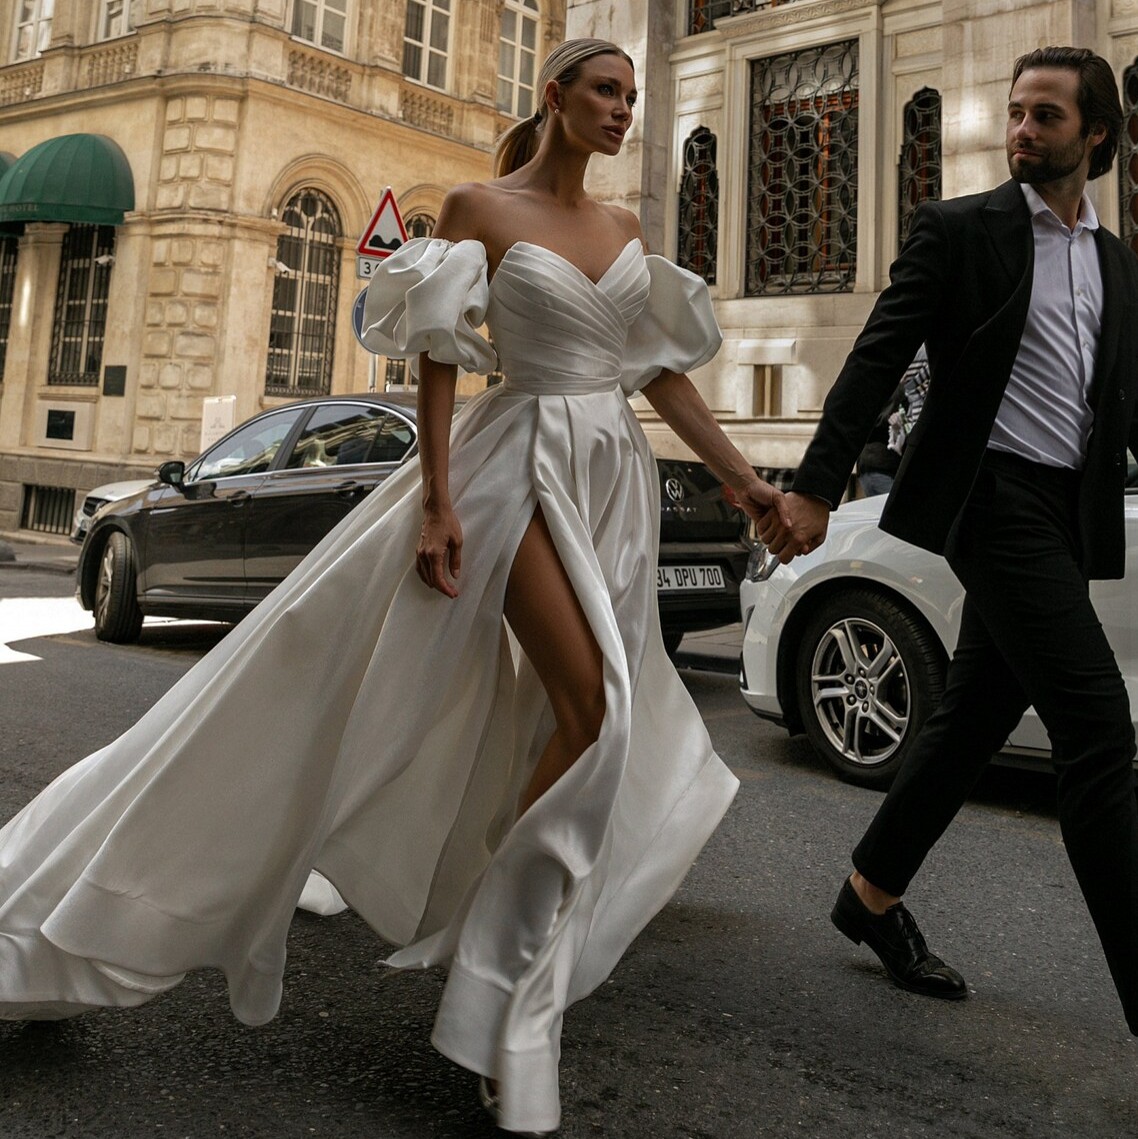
[[211, 538]]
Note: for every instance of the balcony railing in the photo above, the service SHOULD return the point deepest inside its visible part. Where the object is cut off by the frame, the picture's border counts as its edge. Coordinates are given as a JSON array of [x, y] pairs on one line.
[[703, 14]]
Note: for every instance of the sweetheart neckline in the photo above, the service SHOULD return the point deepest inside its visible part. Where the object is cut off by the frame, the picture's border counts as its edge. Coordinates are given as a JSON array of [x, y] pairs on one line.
[[565, 260]]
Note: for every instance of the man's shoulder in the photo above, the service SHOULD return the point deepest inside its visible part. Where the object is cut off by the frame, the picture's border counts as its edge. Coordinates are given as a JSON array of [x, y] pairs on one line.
[[1006, 196]]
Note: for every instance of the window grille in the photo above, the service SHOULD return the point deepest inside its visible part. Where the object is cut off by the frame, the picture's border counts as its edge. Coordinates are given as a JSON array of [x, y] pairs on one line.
[[33, 28], [703, 14], [426, 41], [321, 22], [48, 509], [517, 57], [919, 167], [699, 205], [802, 196], [419, 225], [79, 323], [8, 246], [305, 296], [1128, 158]]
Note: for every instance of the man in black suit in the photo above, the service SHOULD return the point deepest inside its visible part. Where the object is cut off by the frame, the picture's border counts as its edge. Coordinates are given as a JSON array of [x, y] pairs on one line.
[[1015, 472]]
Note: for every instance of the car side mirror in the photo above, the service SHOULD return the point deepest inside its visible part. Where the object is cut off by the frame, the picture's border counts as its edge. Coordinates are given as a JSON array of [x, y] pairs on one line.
[[172, 473]]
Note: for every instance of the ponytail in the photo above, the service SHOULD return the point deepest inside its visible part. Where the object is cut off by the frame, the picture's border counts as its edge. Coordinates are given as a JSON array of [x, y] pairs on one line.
[[563, 65], [517, 146]]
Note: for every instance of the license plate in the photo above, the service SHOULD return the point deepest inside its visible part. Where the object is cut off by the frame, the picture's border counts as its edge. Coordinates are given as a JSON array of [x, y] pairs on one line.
[[672, 578]]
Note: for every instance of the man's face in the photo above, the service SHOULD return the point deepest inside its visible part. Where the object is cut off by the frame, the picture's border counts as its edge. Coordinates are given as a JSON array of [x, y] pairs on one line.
[[1045, 138]]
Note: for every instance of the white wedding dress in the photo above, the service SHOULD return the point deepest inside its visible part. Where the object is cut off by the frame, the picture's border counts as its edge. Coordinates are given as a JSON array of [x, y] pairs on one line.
[[364, 726]]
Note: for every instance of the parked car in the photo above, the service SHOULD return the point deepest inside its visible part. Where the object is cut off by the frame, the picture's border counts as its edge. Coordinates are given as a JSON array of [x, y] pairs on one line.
[[211, 538], [850, 643]]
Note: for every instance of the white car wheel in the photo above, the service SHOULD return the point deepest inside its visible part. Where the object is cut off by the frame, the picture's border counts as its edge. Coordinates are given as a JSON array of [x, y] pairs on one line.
[[868, 674]]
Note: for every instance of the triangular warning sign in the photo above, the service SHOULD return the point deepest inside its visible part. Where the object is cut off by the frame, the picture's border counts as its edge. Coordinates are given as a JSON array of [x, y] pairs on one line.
[[385, 232]]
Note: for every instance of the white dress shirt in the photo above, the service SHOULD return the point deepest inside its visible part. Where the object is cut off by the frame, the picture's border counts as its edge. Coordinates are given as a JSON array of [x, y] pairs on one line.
[[1045, 415]]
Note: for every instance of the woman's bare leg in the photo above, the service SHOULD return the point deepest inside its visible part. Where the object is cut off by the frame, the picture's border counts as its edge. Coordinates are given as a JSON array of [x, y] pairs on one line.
[[546, 617]]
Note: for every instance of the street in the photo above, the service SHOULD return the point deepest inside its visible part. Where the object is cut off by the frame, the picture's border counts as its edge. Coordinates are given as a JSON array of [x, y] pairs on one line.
[[739, 1011]]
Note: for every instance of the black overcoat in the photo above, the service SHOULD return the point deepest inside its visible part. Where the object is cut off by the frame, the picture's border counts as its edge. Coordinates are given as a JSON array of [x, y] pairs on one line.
[[961, 284]]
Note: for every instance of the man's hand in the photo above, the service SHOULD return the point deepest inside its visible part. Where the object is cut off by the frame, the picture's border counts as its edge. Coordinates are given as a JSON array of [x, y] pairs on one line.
[[805, 529]]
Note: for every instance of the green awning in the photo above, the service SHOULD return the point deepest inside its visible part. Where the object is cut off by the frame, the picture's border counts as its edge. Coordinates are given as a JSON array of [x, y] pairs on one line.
[[76, 178]]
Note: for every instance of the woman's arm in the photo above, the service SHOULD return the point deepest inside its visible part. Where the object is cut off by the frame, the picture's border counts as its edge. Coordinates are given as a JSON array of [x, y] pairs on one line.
[[440, 542], [680, 406]]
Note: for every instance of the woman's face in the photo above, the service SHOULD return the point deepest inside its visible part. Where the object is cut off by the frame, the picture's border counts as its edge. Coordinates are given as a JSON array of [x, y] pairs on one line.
[[596, 108]]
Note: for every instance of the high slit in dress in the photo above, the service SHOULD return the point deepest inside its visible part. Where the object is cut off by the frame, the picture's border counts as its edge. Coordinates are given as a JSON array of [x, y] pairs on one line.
[[360, 724]]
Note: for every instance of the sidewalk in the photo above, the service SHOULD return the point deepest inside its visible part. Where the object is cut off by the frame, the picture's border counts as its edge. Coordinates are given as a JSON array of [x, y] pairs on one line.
[[21, 551]]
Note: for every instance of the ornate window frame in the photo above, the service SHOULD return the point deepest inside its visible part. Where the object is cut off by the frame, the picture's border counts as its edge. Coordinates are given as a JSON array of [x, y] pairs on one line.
[[1128, 158], [697, 238], [306, 292], [920, 165], [802, 159]]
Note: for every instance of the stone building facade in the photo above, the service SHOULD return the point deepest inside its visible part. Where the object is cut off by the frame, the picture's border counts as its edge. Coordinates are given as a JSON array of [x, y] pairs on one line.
[[779, 149], [256, 137], [783, 144]]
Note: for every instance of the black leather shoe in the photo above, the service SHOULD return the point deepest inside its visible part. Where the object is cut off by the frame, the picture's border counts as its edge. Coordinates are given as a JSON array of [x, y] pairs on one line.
[[895, 938]]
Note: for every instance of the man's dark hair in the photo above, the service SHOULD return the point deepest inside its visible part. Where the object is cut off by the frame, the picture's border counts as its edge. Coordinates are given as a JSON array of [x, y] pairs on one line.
[[1098, 95]]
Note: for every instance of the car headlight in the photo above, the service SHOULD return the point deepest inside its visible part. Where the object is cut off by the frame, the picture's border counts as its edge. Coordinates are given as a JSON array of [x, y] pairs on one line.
[[761, 563]]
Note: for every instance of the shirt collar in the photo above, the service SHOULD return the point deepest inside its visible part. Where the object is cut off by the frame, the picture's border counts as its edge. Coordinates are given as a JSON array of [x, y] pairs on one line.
[[1088, 219]]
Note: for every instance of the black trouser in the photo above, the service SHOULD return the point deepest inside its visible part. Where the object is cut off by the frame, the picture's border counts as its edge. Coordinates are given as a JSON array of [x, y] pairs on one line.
[[1028, 635]]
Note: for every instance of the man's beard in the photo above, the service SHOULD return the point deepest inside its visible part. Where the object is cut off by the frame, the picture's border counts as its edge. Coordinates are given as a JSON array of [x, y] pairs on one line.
[[1048, 167]]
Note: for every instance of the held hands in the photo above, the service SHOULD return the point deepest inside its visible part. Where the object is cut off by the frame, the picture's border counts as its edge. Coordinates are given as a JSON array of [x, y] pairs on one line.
[[438, 558], [759, 500], [798, 529]]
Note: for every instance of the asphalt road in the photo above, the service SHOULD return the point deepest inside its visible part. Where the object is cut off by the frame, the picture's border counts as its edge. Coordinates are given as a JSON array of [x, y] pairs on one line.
[[738, 1012]]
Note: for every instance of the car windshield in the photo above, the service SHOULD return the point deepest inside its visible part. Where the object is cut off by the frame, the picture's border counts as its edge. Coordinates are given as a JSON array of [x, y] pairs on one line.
[[248, 451]]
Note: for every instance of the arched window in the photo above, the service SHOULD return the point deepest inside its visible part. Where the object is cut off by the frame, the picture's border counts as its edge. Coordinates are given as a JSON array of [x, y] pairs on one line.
[[699, 205], [1128, 158], [321, 22], [426, 41], [419, 225], [302, 329], [80, 320], [919, 167], [517, 57]]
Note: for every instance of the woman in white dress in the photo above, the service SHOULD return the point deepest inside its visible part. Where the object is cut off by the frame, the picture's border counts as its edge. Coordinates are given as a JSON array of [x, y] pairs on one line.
[[524, 818]]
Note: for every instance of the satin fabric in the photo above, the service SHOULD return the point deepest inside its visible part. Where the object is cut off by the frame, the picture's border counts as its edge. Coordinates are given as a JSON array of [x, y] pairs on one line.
[[366, 727]]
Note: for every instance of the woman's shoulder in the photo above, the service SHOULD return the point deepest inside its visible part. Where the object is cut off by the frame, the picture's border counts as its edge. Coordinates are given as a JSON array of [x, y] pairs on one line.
[[626, 221]]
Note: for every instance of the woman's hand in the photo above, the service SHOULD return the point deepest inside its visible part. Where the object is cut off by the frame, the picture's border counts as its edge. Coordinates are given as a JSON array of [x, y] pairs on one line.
[[440, 550], [757, 499]]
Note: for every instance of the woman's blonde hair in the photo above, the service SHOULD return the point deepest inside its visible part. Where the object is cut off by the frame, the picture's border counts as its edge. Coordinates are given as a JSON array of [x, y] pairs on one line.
[[563, 65]]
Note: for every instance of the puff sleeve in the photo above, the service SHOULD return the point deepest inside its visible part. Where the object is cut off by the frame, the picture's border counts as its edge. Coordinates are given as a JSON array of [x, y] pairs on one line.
[[430, 296], [676, 329]]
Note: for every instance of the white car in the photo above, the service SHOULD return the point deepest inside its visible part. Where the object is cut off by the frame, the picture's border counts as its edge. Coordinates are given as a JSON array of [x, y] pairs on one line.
[[850, 643]]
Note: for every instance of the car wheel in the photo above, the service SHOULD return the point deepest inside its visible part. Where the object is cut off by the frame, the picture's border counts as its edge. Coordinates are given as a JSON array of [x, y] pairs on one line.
[[868, 674], [672, 642], [117, 615]]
